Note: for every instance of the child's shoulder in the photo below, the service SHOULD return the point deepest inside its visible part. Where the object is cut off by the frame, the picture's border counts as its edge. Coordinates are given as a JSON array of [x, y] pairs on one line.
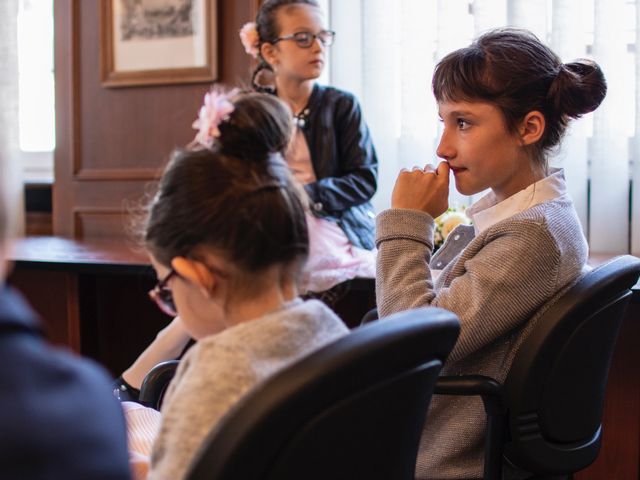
[[334, 91], [325, 94], [554, 213], [298, 328], [553, 226]]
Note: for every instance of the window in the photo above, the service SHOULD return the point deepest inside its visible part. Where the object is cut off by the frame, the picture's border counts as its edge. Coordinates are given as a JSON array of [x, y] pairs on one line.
[[385, 53], [36, 96]]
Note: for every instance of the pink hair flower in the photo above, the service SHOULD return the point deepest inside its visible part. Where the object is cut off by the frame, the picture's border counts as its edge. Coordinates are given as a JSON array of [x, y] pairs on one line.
[[250, 38], [215, 110]]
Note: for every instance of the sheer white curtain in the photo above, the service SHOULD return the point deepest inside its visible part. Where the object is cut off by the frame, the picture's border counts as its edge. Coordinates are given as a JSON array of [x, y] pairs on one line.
[[36, 119], [385, 53], [27, 117], [9, 163], [9, 79]]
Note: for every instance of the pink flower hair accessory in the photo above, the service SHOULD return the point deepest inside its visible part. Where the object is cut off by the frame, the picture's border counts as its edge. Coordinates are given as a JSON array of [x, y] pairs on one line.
[[216, 108], [250, 38]]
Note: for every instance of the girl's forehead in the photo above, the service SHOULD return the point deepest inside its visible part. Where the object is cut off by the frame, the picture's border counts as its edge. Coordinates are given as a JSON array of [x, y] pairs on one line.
[[300, 16], [448, 107]]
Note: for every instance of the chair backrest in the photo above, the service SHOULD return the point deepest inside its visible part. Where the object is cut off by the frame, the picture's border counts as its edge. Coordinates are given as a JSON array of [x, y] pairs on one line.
[[353, 409], [555, 389]]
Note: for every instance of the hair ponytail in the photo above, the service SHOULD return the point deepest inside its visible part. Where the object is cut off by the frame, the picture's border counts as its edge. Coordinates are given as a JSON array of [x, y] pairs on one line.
[[236, 196], [255, 83]]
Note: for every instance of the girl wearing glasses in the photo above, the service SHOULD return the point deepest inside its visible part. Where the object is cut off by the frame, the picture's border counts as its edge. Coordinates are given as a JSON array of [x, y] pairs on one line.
[[228, 239], [332, 154]]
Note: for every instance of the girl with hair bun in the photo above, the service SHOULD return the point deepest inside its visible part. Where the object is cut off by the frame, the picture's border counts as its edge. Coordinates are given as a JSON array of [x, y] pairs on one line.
[[505, 102], [228, 239]]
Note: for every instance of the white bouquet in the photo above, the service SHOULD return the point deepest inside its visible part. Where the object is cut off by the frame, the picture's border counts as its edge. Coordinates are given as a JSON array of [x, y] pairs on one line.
[[446, 222]]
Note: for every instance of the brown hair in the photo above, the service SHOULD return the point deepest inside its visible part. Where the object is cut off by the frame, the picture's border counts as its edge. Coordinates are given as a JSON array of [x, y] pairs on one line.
[[512, 69], [237, 197], [269, 31]]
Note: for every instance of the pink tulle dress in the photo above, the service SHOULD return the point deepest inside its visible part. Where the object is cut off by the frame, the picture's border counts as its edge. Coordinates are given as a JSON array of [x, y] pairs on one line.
[[332, 258]]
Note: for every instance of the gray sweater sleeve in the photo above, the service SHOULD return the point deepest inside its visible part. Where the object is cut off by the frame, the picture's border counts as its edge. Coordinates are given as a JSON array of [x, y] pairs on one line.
[[498, 281]]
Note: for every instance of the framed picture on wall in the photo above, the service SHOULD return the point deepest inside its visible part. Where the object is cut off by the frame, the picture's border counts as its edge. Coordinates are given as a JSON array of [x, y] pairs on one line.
[[153, 42]]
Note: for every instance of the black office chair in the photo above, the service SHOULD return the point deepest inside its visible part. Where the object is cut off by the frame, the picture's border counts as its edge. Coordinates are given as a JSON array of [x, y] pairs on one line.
[[546, 418], [353, 409], [155, 383]]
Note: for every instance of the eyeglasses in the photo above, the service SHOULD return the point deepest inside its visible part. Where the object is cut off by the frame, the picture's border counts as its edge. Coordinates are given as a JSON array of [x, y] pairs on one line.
[[163, 296], [306, 39]]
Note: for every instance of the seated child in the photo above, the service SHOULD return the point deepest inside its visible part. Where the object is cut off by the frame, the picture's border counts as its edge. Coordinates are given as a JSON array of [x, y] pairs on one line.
[[343, 176], [227, 238], [505, 102]]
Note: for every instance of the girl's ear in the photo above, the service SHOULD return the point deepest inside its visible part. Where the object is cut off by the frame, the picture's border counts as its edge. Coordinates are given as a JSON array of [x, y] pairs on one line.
[[269, 53], [532, 127], [196, 273]]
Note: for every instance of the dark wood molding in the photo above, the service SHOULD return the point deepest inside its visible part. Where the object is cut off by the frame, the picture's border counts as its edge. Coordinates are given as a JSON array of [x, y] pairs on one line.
[[65, 53], [38, 223]]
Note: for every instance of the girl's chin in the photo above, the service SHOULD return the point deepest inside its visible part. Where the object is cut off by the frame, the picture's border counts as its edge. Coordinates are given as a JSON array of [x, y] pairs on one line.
[[314, 71], [308, 77], [467, 190]]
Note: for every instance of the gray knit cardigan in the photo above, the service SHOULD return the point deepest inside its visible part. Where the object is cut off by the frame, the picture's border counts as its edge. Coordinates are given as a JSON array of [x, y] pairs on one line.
[[497, 286], [218, 371]]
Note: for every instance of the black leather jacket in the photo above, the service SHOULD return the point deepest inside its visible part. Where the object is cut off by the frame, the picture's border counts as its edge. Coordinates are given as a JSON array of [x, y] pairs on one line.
[[344, 161]]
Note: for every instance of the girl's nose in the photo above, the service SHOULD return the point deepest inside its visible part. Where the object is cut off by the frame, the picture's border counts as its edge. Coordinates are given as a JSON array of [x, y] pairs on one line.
[[317, 45], [445, 148]]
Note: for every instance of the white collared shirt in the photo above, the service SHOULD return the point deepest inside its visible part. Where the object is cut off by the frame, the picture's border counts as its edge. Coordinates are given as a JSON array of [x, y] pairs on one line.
[[488, 211]]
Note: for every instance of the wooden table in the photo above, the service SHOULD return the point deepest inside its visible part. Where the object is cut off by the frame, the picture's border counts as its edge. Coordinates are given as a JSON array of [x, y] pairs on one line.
[[92, 295], [57, 253]]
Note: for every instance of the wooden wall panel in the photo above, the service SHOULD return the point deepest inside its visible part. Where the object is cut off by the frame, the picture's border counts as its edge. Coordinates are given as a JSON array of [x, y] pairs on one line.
[[56, 301], [112, 142], [105, 222]]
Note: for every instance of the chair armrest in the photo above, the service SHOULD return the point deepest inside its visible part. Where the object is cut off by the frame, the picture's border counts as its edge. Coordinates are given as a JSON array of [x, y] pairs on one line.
[[491, 393], [470, 385], [155, 383], [370, 316]]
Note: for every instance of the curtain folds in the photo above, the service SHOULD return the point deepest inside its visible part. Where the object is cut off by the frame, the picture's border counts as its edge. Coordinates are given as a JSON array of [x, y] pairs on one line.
[[10, 186], [400, 42]]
